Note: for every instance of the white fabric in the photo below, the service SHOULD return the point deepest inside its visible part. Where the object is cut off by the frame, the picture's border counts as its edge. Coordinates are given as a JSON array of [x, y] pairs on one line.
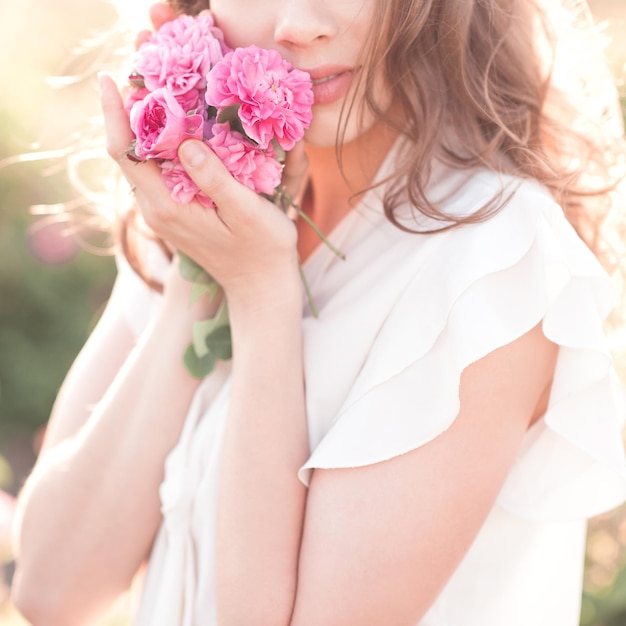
[[399, 321]]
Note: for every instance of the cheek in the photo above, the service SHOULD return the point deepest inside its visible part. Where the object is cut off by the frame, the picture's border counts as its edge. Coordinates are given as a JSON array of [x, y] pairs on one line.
[[244, 22]]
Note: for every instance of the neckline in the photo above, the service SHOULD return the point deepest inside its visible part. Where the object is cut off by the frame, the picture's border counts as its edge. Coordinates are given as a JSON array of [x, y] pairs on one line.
[[339, 232]]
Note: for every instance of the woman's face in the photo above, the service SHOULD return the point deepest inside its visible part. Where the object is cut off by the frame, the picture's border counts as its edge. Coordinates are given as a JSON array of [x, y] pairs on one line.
[[322, 37]]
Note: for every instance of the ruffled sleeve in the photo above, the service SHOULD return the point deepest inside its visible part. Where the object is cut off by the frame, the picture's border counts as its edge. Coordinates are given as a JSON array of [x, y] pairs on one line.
[[467, 292]]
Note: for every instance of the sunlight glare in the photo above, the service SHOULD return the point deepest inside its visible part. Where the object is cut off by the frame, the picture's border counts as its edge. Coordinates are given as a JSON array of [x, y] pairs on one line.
[[133, 12]]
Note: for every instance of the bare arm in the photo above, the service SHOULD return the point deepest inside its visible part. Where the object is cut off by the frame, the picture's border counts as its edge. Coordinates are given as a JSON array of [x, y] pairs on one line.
[[381, 541], [97, 490], [285, 561], [90, 510], [261, 501], [108, 345], [378, 543], [354, 550]]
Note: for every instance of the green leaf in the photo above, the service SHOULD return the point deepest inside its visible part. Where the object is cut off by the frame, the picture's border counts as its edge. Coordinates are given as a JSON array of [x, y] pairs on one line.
[[200, 289], [136, 80], [213, 336], [200, 332], [196, 366], [229, 114], [131, 155], [221, 319], [193, 272], [280, 152], [219, 343]]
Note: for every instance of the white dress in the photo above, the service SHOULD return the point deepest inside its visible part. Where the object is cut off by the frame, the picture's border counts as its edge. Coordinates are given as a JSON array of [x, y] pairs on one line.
[[399, 321]]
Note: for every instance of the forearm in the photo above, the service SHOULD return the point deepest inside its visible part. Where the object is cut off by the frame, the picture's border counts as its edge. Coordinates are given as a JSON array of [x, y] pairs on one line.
[[90, 511], [261, 501]]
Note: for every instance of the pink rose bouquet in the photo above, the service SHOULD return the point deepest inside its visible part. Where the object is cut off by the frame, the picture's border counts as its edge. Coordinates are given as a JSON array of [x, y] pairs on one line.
[[248, 105], [160, 124], [273, 101]]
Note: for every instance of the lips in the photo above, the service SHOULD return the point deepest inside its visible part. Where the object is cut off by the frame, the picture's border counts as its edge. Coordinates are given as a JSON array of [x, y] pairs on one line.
[[323, 72], [330, 82], [320, 81]]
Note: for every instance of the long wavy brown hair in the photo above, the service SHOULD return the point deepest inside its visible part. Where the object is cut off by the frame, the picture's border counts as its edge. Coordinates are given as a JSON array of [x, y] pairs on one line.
[[473, 79], [473, 82]]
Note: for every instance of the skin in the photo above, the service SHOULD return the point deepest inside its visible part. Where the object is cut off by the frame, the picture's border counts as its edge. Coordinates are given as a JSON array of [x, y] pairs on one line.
[[366, 546]]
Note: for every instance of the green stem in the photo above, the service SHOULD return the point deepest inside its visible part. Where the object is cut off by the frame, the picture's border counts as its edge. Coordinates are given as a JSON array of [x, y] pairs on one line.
[[307, 290], [319, 233]]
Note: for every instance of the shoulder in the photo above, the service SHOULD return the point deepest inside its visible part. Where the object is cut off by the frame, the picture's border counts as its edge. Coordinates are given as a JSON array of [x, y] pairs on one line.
[[509, 224], [433, 305], [488, 199]]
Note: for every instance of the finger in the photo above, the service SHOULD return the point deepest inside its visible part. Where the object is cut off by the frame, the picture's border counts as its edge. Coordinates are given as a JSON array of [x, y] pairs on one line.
[[144, 176], [295, 173], [160, 14], [117, 128], [141, 38], [210, 174]]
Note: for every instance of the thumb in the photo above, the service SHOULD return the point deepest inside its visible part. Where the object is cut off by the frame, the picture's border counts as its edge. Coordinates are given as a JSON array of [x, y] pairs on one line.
[[160, 14], [141, 38], [210, 174]]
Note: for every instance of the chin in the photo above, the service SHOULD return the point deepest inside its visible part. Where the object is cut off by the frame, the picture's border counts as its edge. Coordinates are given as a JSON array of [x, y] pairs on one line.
[[328, 127]]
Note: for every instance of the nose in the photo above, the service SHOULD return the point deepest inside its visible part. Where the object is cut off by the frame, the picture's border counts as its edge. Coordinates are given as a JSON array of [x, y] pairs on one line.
[[303, 22]]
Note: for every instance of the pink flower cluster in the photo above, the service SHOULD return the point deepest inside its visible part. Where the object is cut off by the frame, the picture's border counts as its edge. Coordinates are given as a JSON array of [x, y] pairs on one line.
[[247, 104], [275, 101]]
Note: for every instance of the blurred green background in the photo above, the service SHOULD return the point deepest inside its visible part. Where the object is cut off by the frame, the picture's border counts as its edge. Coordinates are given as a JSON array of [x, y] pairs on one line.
[[52, 290]]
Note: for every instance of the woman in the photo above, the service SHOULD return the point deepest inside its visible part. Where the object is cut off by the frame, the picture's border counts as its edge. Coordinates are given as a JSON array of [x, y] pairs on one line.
[[425, 452]]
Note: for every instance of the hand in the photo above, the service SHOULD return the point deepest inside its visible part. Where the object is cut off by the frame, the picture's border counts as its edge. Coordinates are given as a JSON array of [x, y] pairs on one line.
[[246, 243], [295, 175]]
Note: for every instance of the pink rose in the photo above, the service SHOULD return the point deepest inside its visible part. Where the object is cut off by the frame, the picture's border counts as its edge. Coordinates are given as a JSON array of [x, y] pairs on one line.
[[180, 54], [255, 168], [182, 188], [275, 99], [208, 128], [135, 95], [160, 125], [192, 102]]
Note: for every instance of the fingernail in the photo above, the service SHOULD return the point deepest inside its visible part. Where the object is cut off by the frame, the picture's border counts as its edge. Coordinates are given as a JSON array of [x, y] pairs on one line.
[[103, 83], [193, 153]]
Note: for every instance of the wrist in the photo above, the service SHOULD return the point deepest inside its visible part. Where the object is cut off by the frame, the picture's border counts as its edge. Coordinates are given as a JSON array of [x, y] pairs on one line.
[[266, 289], [268, 297], [179, 303]]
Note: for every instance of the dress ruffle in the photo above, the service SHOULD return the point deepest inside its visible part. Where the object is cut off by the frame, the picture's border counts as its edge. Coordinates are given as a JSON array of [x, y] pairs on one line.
[[482, 287]]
